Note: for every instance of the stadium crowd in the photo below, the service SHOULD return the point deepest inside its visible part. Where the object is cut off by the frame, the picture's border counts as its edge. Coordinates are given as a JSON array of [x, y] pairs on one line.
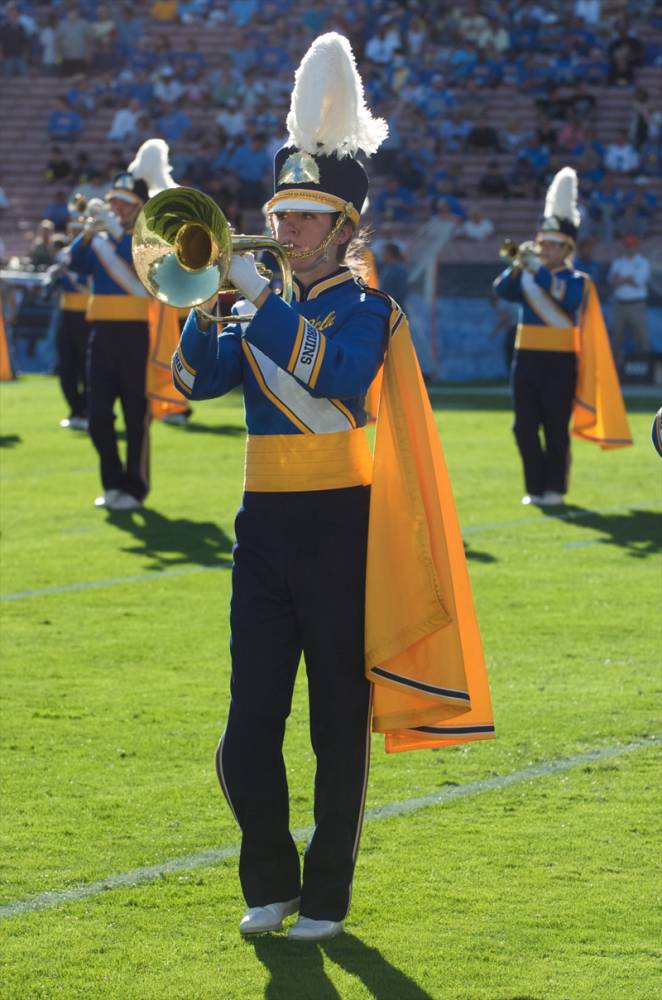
[[429, 68]]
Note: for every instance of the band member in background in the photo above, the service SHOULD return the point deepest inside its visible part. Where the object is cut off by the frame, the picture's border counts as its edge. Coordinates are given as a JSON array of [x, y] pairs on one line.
[[313, 515], [562, 366], [117, 313], [72, 336]]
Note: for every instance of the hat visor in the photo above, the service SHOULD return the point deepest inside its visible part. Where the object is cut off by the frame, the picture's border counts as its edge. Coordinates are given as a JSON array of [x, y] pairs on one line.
[[302, 200], [123, 195], [545, 236]]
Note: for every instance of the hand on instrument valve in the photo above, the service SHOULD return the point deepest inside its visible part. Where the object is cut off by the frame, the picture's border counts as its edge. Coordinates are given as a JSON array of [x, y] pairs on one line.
[[528, 258], [243, 274], [101, 220]]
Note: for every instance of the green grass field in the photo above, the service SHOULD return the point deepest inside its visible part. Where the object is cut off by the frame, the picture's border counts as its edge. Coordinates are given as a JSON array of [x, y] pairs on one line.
[[539, 886]]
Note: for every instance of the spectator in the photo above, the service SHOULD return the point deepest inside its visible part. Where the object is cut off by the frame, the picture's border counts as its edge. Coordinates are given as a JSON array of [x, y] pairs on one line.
[[64, 125], [42, 251], [524, 181], [639, 213], [4, 200], [167, 88], [393, 275], [588, 11], [394, 203], [163, 11], [242, 12], [625, 54], [84, 171], [57, 210], [74, 37], [477, 227], [547, 135], [81, 96], [586, 262], [252, 164], [493, 183], [231, 119], [513, 136], [175, 123], [483, 138], [582, 102], [381, 46], [48, 42], [605, 208], [14, 43], [453, 131], [621, 157], [643, 117], [572, 137], [125, 124], [58, 168], [629, 277]]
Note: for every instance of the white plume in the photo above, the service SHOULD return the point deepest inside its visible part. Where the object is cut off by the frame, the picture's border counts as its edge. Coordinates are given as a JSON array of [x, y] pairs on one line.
[[561, 200], [328, 113], [151, 164]]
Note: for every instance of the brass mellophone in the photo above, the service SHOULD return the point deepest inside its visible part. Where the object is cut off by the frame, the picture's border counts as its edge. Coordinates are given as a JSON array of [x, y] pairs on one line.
[[514, 252], [183, 246]]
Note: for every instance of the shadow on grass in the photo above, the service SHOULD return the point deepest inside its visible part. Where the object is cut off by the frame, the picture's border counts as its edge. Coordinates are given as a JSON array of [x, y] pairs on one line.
[[173, 541], [639, 532], [297, 970], [484, 557], [9, 440]]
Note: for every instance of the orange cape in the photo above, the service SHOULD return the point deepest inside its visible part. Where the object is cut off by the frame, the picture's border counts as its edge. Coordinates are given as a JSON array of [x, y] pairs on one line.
[[163, 325], [423, 648], [599, 412]]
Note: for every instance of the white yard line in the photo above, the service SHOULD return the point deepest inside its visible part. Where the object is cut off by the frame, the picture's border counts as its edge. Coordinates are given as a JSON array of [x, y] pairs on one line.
[[59, 897]]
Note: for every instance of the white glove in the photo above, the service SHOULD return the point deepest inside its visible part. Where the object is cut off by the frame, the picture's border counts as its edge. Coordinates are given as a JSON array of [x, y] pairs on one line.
[[528, 257], [244, 275], [244, 309]]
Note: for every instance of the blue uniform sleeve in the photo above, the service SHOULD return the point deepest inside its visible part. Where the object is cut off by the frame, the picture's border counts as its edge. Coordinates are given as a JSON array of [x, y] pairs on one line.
[[508, 285], [206, 364], [567, 291], [81, 256], [341, 366]]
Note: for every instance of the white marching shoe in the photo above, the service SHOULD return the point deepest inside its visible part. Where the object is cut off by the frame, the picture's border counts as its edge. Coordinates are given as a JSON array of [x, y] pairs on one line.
[[259, 919], [307, 929], [530, 498], [551, 498], [107, 499], [117, 500]]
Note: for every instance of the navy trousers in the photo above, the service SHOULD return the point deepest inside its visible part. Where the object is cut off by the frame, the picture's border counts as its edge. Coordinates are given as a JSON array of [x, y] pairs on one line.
[[117, 361], [72, 337], [543, 385], [298, 587]]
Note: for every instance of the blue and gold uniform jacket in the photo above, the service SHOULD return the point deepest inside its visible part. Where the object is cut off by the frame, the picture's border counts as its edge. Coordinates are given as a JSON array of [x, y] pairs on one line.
[[305, 369], [117, 295], [74, 291], [550, 306]]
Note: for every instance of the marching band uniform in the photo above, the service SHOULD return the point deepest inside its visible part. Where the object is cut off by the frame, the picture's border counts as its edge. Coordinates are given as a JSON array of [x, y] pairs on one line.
[[304, 531], [554, 344], [72, 340], [117, 314]]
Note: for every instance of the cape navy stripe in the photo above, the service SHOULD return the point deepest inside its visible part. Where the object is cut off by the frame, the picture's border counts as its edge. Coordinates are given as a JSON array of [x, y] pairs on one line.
[[453, 730], [430, 688]]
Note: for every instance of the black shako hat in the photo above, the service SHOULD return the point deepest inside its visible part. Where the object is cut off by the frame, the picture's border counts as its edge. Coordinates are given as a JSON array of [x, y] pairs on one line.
[[328, 123], [126, 187], [307, 183]]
